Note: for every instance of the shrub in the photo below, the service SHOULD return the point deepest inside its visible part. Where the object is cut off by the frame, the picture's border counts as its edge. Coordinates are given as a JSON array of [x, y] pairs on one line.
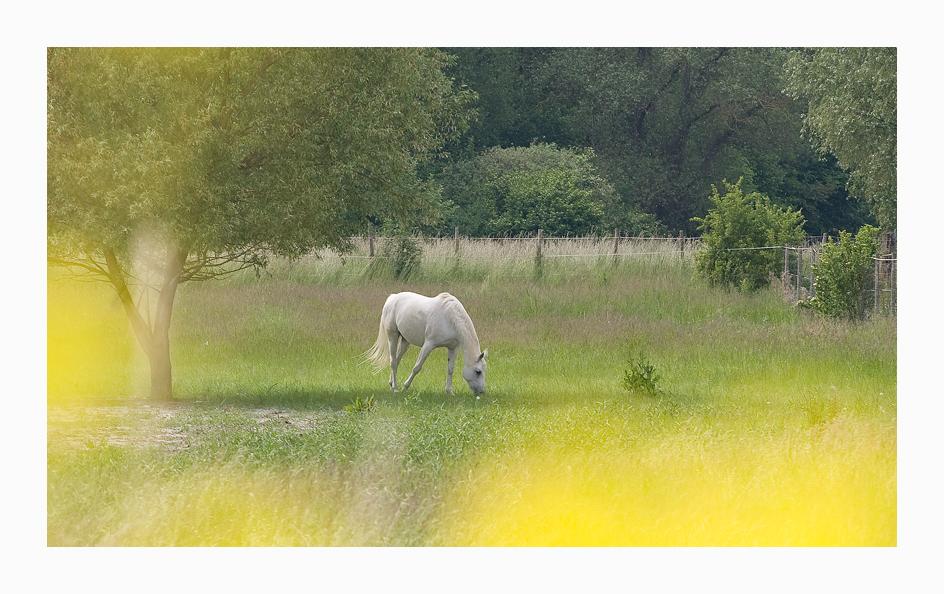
[[510, 191], [555, 200], [641, 376], [734, 227], [843, 273], [399, 258]]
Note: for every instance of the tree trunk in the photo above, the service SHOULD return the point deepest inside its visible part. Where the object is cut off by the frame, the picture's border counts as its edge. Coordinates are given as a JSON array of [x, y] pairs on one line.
[[154, 338], [162, 387]]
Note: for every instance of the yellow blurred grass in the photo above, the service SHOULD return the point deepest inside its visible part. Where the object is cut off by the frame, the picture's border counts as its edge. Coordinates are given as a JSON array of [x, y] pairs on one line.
[[89, 347], [833, 485]]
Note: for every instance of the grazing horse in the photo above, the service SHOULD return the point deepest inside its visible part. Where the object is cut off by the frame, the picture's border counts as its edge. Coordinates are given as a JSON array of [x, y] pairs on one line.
[[429, 323]]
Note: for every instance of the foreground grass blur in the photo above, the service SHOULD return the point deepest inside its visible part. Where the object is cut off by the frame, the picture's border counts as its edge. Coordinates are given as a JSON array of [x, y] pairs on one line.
[[771, 428]]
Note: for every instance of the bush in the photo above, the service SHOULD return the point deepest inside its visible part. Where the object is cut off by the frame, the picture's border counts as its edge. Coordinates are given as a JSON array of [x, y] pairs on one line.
[[737, 224], [843, 274], [554, 200], [510, 191], [641, 377], [399, 258]]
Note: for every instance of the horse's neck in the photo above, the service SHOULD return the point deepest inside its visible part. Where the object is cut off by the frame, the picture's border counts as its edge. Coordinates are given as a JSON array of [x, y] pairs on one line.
[[470, 342], [462, 323]]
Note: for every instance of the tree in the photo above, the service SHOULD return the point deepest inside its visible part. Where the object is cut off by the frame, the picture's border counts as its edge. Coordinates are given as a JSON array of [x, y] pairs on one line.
[[853, 114], [554, 200], [166, 165], [736, 230], [668, 122]]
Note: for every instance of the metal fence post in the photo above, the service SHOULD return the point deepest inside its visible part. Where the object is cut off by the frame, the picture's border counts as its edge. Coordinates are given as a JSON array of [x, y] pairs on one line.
[[875, 289], [799, 271]]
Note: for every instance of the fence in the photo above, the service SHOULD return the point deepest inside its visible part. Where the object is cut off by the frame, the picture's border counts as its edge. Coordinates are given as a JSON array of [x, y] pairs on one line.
[[880, 294], [540, 250], [529, 255]]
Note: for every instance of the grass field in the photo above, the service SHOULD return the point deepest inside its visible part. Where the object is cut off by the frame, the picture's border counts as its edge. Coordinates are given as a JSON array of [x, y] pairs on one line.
[[769, 427]]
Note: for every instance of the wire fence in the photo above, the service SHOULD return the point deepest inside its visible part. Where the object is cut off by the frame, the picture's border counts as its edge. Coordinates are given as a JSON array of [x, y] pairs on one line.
[[517, 255], [879, 293]]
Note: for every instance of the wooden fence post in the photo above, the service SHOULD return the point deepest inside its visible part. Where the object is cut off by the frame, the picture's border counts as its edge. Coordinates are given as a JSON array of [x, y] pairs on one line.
[[681, 244], [370, 239], [799, 271], [894, 288], [616, 238], [538, 257], [457, 240]]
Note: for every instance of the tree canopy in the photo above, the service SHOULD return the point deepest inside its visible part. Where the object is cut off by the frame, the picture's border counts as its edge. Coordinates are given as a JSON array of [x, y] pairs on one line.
[[852, 112], [239, 151]]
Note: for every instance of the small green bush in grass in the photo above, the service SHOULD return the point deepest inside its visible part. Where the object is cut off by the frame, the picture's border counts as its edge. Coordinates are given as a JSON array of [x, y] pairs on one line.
[[641, 376], [400, 259], [359, 405]]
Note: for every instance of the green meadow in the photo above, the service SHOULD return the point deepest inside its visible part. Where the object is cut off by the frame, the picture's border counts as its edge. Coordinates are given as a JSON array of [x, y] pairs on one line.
[[767, 426]]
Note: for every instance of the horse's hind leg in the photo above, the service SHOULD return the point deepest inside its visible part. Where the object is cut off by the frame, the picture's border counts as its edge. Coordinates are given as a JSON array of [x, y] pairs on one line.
[[398, 347]]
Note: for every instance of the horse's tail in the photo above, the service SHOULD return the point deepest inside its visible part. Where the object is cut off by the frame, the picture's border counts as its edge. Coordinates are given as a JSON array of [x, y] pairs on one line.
[[379, 354]]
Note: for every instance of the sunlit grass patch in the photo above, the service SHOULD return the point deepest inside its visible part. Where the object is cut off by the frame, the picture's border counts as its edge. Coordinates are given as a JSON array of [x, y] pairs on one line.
[[690, 488]]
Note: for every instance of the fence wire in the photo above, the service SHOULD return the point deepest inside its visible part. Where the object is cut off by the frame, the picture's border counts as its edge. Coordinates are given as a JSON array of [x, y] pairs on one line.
[[798, 277]]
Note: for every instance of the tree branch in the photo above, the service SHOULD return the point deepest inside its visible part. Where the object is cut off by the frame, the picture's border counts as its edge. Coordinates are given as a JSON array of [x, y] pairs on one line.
[[141, 327]]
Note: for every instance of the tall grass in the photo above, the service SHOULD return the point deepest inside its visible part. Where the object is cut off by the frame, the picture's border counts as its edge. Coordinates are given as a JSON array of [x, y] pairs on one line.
[[770, 426], [477, 260]]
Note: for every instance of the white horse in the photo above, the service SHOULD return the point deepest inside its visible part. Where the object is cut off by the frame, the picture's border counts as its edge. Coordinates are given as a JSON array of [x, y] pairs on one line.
[[429, 323]]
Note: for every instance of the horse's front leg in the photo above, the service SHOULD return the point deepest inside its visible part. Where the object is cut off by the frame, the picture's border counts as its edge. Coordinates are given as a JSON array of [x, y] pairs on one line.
[[450, 366], [424, 353]]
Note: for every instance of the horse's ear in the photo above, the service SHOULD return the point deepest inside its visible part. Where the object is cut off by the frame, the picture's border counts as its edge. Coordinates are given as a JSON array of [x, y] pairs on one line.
[[483, 355]]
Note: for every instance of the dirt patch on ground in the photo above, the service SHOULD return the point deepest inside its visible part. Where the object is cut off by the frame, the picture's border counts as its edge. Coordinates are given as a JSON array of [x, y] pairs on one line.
[[171, 427]]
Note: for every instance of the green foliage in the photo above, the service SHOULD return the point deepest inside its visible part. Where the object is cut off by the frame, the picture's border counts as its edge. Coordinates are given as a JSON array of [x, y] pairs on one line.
[[665, 122], [359, 405], [404, 254], [520, 190], [549, 199], [239, 151], [843, 273], [641, 376], [734, 227], [852, 112]]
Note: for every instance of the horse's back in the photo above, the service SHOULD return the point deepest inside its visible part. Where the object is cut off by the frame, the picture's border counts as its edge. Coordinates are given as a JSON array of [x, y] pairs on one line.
[[417, 317], [416, 302]]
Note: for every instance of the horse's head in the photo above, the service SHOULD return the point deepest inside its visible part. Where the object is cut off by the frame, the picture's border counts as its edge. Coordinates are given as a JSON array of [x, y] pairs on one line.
[[475, 374]]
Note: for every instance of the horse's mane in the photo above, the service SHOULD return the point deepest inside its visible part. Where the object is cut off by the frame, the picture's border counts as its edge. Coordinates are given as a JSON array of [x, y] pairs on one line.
[[455, 313]]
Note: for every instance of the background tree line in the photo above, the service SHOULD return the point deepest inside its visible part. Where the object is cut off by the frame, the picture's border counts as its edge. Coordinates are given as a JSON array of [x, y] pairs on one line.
[[657, 127]]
